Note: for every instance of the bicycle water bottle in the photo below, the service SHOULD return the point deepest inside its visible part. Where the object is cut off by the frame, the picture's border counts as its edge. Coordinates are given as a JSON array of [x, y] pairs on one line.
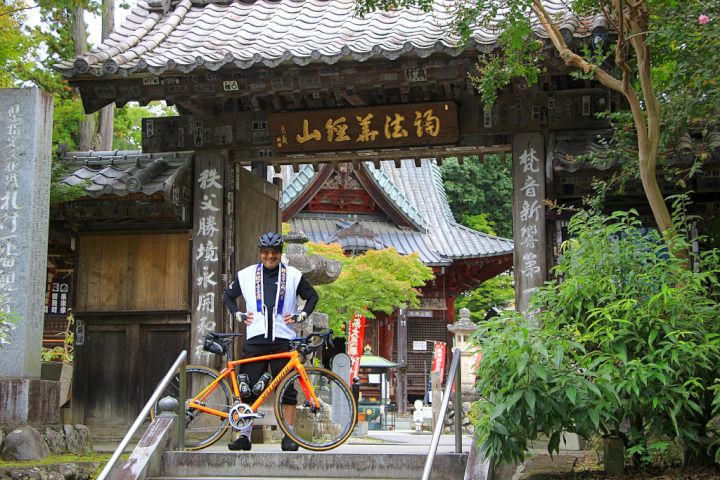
[[244, 384], [262, 383]]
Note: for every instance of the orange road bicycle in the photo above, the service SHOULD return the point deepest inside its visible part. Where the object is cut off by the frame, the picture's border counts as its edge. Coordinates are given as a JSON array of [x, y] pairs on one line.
[[326, 409]]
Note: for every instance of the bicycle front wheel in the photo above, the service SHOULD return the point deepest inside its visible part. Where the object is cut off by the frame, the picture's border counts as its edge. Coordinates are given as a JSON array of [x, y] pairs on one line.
[[316, 428], [201, 429]]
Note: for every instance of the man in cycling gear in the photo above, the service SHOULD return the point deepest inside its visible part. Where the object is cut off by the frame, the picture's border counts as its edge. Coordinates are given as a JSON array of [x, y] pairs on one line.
[[270, 290]]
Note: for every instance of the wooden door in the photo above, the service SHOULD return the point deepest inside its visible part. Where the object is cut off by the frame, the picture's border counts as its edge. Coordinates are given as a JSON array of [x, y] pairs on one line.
[[121, 361], [106, 374], [132, 305]]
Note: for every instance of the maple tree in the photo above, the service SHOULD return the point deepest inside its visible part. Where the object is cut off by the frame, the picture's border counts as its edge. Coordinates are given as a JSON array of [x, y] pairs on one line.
[[375, 281]]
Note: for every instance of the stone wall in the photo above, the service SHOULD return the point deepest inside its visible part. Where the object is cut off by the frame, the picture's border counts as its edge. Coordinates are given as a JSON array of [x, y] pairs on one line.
[[31, 443]]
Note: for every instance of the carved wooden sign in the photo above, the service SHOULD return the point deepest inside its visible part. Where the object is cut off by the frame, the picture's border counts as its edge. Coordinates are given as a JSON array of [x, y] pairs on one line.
[[364, 128]]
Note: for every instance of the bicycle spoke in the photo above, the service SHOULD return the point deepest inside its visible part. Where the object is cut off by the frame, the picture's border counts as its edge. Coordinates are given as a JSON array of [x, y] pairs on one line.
[[326, 425], [201, 428]]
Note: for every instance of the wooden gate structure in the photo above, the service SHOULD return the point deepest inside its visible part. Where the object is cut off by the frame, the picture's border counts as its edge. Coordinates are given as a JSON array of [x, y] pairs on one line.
[[262, 85]]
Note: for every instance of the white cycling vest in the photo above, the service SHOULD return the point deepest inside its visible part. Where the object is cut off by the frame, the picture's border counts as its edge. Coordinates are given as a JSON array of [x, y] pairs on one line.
[[246, 279]]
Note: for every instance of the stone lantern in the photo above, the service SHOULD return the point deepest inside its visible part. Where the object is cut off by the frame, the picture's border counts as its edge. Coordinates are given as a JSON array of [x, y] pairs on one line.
[[462, 329], [317, 269]]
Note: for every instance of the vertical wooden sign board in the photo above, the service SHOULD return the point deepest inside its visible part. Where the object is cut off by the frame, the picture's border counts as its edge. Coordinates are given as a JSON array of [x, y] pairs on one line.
[[206, 278], [528, 218]]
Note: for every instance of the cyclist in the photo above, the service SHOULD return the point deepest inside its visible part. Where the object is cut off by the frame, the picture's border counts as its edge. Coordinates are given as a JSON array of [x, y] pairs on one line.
[[270, 290]]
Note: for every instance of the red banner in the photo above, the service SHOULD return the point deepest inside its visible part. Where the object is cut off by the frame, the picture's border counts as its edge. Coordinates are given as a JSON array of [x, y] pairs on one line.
[[355, 338], [438, 362]]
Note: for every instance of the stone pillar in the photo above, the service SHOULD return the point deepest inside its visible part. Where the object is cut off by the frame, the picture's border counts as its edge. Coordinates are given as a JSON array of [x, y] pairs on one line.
[[528, 151], [25, 149], [207, 285], [462, 329]]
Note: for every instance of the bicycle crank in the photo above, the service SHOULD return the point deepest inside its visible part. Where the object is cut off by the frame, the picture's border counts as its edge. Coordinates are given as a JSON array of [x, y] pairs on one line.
[[241, 415]]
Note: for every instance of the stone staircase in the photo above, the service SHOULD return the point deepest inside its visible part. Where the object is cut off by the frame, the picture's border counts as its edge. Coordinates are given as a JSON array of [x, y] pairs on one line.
[[187, 465]]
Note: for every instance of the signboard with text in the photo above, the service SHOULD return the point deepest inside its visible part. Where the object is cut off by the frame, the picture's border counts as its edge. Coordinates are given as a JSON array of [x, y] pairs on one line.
[[362, 128], [438, 362], [355, 338]]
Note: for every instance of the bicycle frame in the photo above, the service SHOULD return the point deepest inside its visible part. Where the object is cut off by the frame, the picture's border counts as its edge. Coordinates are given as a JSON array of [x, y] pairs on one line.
[[293, 364]]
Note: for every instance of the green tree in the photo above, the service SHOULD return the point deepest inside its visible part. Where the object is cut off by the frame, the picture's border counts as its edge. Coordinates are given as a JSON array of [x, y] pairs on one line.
[[16, 43], [662, 62], [376, 281], [494, 292], [128, 123], [480, 188], [55, 42], [629, 334]]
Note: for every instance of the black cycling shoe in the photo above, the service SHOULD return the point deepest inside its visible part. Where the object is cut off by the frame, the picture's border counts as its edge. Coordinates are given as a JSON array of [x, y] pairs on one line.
[[242, 443], [289, 445]]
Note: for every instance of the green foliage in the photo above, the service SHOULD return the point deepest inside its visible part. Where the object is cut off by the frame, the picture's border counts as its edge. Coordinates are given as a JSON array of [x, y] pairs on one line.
[[60, 193], [495, 292], [685, 54], [376, 281], [128, 123], [530, 385], [479, 223], [16, 43], [629, 333], [480, 188]]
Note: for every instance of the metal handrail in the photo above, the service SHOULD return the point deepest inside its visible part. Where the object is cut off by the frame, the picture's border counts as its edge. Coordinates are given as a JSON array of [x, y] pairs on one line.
[[180, 363], [453, 377]]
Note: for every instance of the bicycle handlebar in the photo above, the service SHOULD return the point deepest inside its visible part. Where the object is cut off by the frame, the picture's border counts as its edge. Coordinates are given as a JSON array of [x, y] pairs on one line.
[[301, 344], [326, 337]]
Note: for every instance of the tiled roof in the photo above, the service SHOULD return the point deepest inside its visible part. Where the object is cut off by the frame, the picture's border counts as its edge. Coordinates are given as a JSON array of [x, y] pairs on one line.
[[423, 187], [297, 185], [123, 172], [203, 34], [324, 229], [422, 192], [398, 198]]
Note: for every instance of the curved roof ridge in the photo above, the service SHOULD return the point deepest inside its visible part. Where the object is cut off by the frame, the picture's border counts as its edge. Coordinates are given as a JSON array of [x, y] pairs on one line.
[[396, 195], [212, 34], [445, 235], [297, 184], [440, 187]]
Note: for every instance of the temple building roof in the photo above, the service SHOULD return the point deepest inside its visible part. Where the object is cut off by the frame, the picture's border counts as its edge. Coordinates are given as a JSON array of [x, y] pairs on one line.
[[123, 172], [410, 188], [161, 36]]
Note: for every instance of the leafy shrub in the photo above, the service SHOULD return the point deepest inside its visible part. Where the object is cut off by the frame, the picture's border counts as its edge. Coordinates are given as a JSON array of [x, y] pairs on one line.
[[629, 336]]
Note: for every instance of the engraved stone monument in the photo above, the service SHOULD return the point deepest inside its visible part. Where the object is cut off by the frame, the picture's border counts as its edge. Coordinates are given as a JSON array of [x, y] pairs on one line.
[[25, 149]]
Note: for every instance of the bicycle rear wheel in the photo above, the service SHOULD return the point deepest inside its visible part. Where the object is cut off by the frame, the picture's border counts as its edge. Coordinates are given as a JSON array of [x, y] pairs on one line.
[[317, 428], [201, 429]]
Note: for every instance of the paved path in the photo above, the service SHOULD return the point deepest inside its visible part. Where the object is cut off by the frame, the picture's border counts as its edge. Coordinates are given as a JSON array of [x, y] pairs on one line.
[[376, 441]]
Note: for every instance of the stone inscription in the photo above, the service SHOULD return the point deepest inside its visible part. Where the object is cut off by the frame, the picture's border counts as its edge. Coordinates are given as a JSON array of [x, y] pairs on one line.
[[24, 205], [10, 210], [528, 217], [206, 257]]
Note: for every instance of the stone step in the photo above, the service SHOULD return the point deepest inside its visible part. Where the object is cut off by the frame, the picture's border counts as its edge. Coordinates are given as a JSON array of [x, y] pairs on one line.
[[255, 478], [323, 465]]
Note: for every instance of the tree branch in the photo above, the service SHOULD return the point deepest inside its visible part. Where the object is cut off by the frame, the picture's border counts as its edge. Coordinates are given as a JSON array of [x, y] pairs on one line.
[[570, 58]]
